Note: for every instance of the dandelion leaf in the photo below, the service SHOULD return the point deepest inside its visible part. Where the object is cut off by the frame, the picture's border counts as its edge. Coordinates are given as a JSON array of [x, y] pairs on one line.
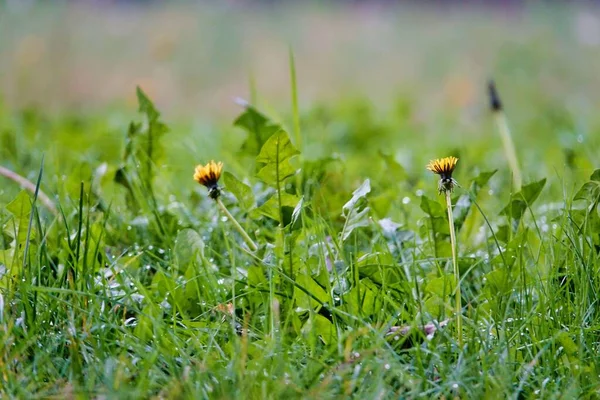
[[595, 176], [20, 206], [189, 248], [521, 200], [274, 156], [590, 191], [431, 207], [320, 326], [355, 219], [360, 193], [309, 294], [259, 129], [464, 203], [242, 192], [271, 207], [356, 216]]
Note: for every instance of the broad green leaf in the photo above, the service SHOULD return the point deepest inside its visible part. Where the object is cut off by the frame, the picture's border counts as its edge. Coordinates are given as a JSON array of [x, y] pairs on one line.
[[277, 148], [367, 304], [432, 208], [523, 199], [440, 286], [144, 330], [275, 155], [464, 203], [143, 151], [481, 180], [531, 191], [242, 192], [20, 206], [595, 176], [160, 284], [145, 105], [271, 207], [320, 326], [442, 245], [304, 301], [590, 191], [259, 127], [271, 174], [188, 247], [498, 281], [355, 219], [256, 276], [361, 192]]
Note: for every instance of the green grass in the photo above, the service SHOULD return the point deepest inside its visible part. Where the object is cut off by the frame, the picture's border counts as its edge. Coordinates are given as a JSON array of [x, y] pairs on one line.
[[138, 286]]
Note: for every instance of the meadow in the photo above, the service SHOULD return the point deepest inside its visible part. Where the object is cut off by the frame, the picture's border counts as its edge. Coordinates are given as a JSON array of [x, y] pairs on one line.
[[122, 277]]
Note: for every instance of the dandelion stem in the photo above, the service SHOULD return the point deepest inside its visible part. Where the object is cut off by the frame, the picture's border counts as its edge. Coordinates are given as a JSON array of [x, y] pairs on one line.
[[237, 225], [509, 147], [455, 265]]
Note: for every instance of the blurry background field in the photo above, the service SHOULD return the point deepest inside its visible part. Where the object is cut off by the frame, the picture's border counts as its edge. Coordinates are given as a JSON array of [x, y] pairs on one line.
[[193, 59], [409, 74]]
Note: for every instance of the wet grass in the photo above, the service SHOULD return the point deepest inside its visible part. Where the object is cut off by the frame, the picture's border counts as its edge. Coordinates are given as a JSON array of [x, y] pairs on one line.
[[135, 284]]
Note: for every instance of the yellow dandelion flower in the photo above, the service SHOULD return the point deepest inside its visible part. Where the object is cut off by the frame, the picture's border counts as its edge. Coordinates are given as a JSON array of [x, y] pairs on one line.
[[208, 175], [444, 168]]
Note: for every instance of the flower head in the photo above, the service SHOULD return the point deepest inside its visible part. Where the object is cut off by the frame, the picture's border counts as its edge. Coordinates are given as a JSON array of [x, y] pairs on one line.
[[444, 168], [208, 175]]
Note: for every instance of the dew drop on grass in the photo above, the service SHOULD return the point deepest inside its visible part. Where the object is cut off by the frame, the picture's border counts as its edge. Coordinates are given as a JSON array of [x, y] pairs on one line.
[[490, 192], [150, 247], [161, 251], [419, 193], [406, 200], [387, 366], [223, 219]]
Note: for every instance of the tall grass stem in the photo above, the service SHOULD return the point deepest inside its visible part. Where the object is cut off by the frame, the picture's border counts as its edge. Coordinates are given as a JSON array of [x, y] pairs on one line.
[[509, 147]]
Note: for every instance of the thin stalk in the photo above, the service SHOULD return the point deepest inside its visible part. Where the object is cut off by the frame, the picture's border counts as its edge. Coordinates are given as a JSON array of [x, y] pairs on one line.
[[237, 225], [295, 112], [30, 186], [509, 147], [456, 271]]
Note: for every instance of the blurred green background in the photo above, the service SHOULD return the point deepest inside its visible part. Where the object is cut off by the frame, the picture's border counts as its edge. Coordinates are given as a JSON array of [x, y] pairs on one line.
[[372, 76]]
